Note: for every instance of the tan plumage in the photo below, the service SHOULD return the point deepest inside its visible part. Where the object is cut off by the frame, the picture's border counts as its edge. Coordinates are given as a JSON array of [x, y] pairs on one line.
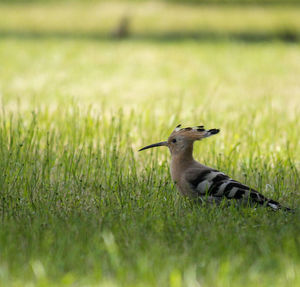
[[196, 180]]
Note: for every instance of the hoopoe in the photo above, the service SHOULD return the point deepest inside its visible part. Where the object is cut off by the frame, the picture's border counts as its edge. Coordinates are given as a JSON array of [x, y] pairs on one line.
[[196, 180]]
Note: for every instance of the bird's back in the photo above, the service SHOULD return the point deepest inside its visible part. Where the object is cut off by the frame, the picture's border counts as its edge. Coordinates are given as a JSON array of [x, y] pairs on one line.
[[204, 182]]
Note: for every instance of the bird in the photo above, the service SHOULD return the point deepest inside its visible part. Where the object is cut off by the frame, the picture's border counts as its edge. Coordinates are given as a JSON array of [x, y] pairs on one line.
[[198, 181]]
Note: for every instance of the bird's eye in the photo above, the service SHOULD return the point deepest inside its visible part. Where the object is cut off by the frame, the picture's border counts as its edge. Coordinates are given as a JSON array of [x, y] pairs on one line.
[[174, 141]]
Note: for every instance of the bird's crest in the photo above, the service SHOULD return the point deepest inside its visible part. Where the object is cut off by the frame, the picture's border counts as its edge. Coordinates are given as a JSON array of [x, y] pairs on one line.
[[195, 133]]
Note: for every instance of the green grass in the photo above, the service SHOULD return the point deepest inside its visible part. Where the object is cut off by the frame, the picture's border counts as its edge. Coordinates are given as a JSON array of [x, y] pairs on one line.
[[80, 206]]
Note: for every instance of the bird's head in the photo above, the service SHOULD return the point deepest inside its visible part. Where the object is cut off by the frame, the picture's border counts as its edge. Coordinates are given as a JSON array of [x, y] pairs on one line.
[[182, 139]]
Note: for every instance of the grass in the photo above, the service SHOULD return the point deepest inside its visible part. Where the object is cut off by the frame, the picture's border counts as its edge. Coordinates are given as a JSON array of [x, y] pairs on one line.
[[80, 206]]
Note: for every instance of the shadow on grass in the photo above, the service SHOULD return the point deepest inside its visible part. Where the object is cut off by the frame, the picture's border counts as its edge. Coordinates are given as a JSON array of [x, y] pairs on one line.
[[284, 36]]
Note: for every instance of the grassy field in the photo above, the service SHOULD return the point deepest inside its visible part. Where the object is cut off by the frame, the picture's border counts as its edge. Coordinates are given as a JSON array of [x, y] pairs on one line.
[[79, 206]]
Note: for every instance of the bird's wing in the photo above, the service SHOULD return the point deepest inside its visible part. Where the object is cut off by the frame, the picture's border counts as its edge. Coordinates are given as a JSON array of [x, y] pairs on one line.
[[216, 184]]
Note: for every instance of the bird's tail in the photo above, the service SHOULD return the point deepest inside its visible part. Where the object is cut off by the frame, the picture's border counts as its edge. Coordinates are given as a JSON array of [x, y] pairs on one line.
[[274, 205]]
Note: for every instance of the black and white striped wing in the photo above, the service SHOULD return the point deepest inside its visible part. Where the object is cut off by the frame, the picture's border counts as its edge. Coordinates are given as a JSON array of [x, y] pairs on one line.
[[215, 184]]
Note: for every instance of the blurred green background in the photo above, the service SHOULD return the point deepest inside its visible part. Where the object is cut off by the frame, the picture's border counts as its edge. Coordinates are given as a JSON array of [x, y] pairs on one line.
[[219, 2], [157, 20]]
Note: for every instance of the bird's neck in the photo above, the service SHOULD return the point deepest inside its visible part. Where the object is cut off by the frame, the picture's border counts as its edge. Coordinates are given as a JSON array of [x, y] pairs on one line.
[[181, 161]]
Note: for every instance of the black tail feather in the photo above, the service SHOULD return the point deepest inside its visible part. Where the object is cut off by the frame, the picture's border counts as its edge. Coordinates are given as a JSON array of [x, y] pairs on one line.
[[274, 205]]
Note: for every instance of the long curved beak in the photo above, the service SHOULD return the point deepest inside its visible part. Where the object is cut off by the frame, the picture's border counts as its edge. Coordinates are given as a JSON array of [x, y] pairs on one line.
[[154, 145]]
